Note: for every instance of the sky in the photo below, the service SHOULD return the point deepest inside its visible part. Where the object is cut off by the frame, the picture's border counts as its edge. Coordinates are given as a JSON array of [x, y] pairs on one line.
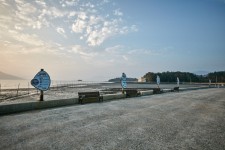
[[97, 40]]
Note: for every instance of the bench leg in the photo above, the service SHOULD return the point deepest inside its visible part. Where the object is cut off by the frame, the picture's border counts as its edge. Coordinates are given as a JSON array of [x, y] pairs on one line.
[[100, 99], [80, 101]]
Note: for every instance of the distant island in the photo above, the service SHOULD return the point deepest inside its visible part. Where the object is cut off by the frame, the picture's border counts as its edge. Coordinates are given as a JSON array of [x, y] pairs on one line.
[[5, 76], [183, 77], [128, 80]]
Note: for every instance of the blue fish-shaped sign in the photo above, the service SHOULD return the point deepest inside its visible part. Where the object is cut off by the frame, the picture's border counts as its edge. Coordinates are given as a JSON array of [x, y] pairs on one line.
[[41, 81]]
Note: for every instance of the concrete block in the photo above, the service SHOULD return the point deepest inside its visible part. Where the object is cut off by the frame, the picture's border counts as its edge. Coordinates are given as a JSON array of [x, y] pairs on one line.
[[166, 90], [144, 93], [113, 96], [27, 106]]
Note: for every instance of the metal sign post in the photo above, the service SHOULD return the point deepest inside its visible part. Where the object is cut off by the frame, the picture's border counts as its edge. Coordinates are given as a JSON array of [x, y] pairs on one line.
[[210, 83], [178, 82], [123, 82], [42, 82], [158, 80], [42, 96]]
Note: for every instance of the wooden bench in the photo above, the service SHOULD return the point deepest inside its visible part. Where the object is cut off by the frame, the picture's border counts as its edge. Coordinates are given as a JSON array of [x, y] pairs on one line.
[[88, 97], [131, 92], [176, 89], [156, 90]]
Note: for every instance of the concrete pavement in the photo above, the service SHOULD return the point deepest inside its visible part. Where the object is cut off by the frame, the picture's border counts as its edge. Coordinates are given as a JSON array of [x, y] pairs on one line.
[[185, 120]]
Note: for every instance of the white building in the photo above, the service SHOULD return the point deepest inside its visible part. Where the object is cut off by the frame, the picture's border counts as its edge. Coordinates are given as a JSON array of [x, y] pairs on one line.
[[142, 79]]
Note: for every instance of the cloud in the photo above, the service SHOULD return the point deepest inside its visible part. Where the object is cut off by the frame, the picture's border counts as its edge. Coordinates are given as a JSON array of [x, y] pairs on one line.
[[84, 52], [4, 2], [31, 24], [134, 28], [123, 53], [145, 52], [87, 20], [96, 26], [61, 31], [117, 49], [117, 12], [41, 3], [18, 27], [32, 39], [78, 26], [55, 12], [69, 3]]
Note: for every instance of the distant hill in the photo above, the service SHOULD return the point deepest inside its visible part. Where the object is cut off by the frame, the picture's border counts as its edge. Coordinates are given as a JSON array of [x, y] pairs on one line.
[[185, 77], [4, 76], [128, 80]]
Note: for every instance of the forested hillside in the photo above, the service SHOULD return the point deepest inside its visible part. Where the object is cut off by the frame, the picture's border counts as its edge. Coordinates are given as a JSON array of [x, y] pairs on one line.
[[185, 77]]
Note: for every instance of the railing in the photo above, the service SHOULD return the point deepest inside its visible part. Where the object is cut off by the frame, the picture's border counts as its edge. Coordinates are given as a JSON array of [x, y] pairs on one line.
[[19, 91]]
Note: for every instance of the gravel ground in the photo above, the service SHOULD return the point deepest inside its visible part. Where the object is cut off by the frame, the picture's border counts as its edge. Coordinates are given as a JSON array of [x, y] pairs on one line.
[[185, 120]]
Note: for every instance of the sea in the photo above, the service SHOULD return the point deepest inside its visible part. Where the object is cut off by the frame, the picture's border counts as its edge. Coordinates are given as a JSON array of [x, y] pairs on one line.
[[15, 84]]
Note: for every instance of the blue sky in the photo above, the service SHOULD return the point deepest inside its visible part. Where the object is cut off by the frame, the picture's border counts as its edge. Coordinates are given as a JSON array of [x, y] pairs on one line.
[[100, 39]]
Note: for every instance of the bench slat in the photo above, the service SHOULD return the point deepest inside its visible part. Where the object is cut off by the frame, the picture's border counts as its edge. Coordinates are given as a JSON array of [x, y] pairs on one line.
[[131, 92], [156, 90], [176, 89], [89, 97]]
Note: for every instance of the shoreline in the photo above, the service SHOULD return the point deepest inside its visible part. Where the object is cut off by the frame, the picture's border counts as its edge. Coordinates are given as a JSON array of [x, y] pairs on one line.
[[31, 103], [67, 91]]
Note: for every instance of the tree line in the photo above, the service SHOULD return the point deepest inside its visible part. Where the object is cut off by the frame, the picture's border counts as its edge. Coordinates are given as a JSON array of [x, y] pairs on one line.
[[185, 77]]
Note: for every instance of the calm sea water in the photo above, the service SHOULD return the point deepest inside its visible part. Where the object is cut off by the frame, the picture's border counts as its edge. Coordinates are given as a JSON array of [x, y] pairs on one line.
[[13, 84]]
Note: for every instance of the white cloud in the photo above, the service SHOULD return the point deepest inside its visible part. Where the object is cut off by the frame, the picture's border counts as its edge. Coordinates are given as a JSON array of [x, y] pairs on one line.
[[149, 52], [61, 31], [32, 40], [117, 12], [134, 28], [105, 1], [56, 12], [37, 25], [115, 49], [72, 13], [41, 3], [90, 24], [18, 27], [94, 38], [28, 22], [89, 5], [82, 15], [78, 26], [71, 2], [96, 27], [4, 2], [120, 52], [85, 53]]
